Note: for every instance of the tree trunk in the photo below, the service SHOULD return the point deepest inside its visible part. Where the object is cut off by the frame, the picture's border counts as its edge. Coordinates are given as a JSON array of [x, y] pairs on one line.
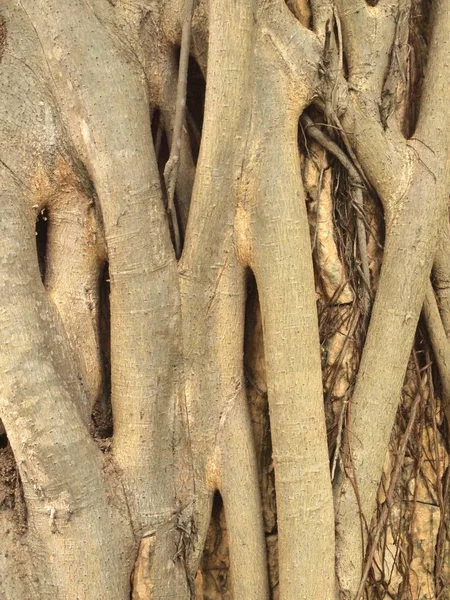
[[246, 405]]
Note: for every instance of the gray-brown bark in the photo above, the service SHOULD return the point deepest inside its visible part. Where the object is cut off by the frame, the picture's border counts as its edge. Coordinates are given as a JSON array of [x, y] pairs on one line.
[[133, 519], [414, 216]]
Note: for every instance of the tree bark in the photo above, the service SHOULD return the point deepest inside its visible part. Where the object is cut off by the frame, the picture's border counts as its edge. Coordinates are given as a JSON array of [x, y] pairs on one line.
[[80, 83]]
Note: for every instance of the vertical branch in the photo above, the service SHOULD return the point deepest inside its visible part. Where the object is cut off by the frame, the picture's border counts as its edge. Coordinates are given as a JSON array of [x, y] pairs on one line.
[[280, 255], [172, 165], [72, 281], [240, 491], [440, 345], [281, 244], [184, 181], [213, 305]]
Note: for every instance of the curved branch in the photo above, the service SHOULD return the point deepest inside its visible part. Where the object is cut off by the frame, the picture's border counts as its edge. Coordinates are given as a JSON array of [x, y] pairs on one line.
[[61, 468], [414, 221]]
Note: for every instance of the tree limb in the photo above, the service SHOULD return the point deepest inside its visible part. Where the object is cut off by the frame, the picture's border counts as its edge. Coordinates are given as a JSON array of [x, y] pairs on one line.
[[172, 165]]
